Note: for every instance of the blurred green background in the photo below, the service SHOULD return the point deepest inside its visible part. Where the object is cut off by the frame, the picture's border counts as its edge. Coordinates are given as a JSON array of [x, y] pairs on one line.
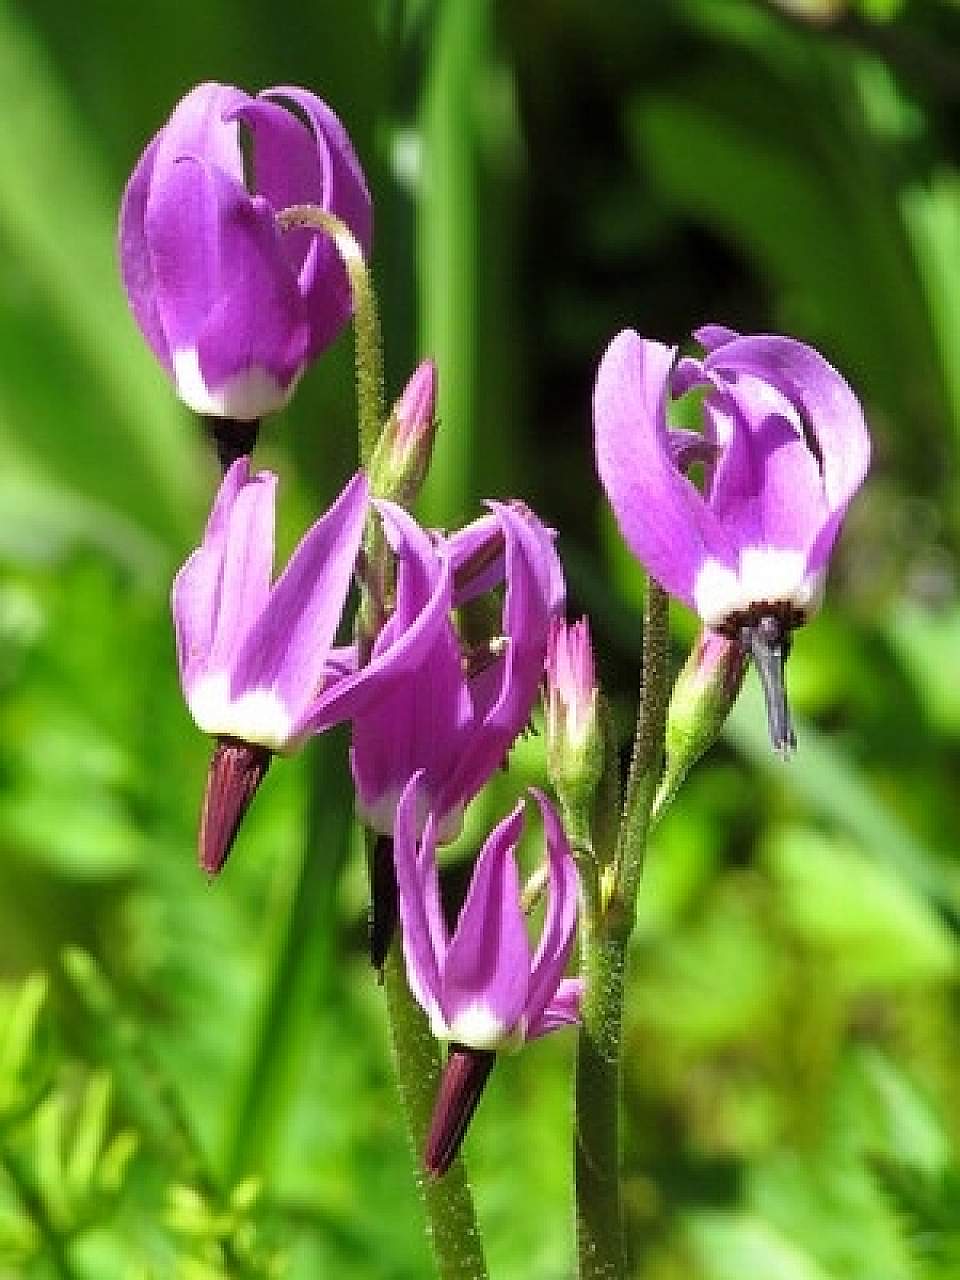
[[194, 1078]]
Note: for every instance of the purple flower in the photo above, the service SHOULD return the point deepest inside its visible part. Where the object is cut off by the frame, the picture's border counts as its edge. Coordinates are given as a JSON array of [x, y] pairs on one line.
[[785, 447], [257, 660], [456, 716], [484, 988], [232, 308]]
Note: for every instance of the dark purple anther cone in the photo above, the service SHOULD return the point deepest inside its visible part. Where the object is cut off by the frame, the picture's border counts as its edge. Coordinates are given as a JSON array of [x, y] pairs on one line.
[[461, 1085], [767, 638], [231, 438], [235, 773], [383, 902]]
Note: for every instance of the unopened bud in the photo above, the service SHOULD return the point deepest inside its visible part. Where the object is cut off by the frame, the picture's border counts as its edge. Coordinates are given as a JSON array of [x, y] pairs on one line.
[[571, 709], [702, 698], [402, 457]]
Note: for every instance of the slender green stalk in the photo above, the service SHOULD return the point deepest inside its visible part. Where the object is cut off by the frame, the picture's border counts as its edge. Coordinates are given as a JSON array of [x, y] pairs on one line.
[[368, 343], [451, 1218], [606, 929]]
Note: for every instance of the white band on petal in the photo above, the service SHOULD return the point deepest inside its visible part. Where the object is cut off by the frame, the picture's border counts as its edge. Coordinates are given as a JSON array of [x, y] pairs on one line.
[[478, 1028], [766, 575], [257, 716], [246, 396]]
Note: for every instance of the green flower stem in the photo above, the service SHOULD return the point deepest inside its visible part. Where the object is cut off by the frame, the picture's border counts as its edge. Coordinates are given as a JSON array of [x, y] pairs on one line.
[[605, 933], [368, 344], [451, 1218]]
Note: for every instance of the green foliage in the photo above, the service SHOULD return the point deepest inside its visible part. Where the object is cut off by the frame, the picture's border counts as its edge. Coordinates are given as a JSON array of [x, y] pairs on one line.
[[194, 1078]]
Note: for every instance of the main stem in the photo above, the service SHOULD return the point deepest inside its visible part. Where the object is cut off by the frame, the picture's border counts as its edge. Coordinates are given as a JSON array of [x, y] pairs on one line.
[[451, 1218], [606, 929]]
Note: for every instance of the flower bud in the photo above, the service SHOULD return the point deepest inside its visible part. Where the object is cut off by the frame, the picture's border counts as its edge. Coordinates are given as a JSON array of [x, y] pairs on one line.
[[402, 457], [574, 734], [702, 698]]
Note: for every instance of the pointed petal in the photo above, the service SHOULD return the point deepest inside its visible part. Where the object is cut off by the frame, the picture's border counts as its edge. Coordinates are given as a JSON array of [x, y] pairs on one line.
[[343, 192], [826, 402], [392, 662], [560, 922], [415, 890], [487, 966], [562, 1011], [136, 264], [194, 598], [286, 649], [663, 518], [199, 125], [712, 336], [417, 720], [247, 565]]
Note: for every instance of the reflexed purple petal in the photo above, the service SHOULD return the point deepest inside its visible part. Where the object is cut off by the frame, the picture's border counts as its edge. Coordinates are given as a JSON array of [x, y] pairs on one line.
[[663, 518], [259, 320], [478, 553], [286, 167], [487, 965], [196, 588], [828, 405], [419, 898], [136, 264], [767, 484], [712, 336], [416, 722], [687, 374], [199, 125], [354, 695], [343, 192], [556, 940], [562, 1011], [247, 566], [287, 648], [183, 227]]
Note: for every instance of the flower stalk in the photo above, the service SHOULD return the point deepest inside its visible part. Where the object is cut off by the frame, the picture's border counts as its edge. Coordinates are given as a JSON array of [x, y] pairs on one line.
[[368, 343], [607, 923], [451, 1217]]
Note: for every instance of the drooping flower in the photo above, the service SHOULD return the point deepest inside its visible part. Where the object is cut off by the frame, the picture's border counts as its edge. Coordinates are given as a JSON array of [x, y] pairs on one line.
[[456, 716], [233, 309], [483, 988], [785, 447], [258, 665]]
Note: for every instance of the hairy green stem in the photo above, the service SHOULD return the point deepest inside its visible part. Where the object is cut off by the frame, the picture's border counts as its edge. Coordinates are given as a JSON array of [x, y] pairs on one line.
[[606, 929], [451, 1218], [368, 343]]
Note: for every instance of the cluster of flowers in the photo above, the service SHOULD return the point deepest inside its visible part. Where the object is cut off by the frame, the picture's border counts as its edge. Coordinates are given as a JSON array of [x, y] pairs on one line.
[[471, 621]]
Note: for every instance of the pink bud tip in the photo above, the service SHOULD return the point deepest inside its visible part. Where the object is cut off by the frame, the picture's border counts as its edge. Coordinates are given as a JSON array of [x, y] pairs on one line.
[[415, 410]]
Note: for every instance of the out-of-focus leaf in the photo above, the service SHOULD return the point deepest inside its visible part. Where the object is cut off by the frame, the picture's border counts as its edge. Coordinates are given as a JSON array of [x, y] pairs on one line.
[[833, 895], [732, 1247], [832, 787], [929, 644], [94, 408]]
